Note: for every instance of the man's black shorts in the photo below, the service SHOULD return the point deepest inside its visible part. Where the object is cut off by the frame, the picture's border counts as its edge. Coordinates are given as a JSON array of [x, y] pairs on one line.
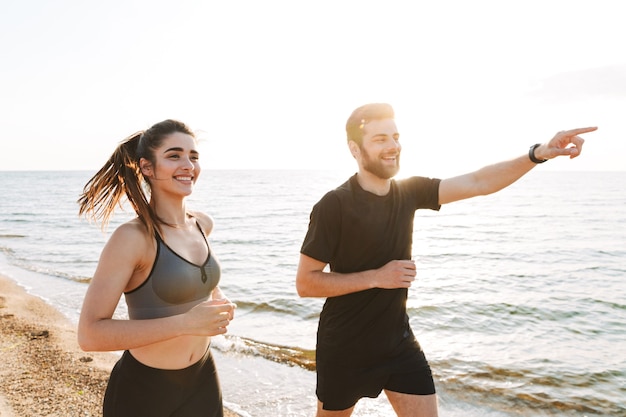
[[339, 388]]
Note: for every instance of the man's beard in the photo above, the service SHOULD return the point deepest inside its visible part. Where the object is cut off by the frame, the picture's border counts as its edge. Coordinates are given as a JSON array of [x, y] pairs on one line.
[[376, 167]]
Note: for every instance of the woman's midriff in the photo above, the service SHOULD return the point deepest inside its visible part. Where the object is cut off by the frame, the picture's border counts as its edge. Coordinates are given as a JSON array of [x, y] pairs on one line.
[[177, 353]]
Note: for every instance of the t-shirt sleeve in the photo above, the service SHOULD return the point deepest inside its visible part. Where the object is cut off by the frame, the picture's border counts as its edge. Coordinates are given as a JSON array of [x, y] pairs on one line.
[[322, 237], [426, 192]]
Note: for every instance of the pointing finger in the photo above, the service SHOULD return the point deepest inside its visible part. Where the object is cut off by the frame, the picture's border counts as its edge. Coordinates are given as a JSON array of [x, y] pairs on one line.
[[579, 131]]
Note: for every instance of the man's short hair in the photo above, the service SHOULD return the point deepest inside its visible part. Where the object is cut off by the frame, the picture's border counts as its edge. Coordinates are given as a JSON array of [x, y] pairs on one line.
[[363, 115]]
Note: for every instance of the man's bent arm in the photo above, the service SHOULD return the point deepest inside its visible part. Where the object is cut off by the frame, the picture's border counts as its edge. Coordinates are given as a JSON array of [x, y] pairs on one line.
[[312, 281]]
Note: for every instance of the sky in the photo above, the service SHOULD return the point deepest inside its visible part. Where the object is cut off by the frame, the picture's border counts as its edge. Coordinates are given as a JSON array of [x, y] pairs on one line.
[[269, 84]]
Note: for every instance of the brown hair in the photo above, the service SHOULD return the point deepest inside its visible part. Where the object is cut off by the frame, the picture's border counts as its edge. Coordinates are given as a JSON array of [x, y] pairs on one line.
[[364, 114], [121, 176]]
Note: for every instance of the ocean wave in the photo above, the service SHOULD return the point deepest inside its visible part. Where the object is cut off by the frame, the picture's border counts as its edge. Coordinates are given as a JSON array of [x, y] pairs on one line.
[[511, 390], [6, 250], [25, 265], [283, 307], [57, 274], [508, 390], [288, 355]]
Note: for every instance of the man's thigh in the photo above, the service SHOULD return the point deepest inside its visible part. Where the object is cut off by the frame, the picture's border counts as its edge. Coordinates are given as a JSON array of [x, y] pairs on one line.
[[411, 405]]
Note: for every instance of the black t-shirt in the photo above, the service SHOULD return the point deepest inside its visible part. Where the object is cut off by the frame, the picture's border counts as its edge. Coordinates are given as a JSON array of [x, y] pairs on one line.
[[354, 230]]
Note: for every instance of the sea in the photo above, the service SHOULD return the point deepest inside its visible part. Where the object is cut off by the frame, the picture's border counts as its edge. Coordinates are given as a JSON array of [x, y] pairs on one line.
[[519, 302]]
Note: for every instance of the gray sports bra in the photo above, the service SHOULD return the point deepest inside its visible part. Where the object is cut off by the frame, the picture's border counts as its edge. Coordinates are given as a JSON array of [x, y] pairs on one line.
[[174, 284]]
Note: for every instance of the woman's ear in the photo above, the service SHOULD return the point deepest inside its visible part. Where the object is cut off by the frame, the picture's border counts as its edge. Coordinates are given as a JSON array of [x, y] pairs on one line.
[[146, 168]]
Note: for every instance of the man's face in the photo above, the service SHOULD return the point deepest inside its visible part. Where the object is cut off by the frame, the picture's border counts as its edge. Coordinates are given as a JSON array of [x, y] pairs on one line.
[[380, 151]]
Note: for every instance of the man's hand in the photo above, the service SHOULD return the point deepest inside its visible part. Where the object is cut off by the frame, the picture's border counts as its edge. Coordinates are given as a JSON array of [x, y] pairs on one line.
[[396, 274], [566, 142]]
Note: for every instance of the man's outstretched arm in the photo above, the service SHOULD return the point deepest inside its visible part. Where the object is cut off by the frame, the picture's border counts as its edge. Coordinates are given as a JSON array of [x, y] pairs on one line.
[[495, 177]]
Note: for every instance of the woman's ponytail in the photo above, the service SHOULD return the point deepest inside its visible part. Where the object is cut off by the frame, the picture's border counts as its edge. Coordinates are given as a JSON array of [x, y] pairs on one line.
[[120, 176]]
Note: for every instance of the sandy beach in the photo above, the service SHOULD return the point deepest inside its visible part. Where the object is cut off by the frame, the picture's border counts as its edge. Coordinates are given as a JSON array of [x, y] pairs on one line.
[[43, 371]]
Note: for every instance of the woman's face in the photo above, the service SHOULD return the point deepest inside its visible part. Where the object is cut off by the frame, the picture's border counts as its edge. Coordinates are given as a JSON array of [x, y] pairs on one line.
[[176, 168]]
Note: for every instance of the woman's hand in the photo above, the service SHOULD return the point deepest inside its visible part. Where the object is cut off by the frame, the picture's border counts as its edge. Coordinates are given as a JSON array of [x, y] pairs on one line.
[[210, 318]]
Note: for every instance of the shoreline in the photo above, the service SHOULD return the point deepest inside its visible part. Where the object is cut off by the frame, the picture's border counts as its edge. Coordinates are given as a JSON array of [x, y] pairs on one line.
[[44, 372]]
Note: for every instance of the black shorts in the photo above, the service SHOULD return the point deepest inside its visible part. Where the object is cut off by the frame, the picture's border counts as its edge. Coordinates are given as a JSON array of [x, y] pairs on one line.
[[137, 390], [341, 388]]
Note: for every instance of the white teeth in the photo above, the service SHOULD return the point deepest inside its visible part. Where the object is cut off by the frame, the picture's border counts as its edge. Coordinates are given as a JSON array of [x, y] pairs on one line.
[[183, 178]]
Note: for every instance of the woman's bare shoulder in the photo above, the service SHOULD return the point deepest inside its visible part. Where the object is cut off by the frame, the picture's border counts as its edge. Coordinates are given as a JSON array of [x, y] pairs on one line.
[[132, 235], [204, 220]]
